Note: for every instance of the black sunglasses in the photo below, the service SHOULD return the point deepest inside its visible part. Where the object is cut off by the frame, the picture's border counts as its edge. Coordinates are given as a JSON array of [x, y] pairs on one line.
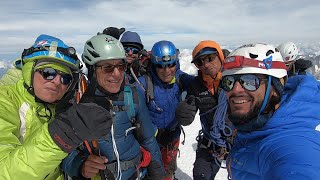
[[132, 49], [50, 74], [162, 66], [208, 58], [248, 82], [109, 68]]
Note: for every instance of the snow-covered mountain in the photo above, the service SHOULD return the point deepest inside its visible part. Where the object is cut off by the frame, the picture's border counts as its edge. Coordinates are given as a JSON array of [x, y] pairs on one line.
[[4, 65]]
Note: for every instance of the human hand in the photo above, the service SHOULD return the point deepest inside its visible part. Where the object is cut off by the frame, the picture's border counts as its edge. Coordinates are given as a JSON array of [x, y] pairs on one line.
[[113, 31], [92, 165], [186, 111]]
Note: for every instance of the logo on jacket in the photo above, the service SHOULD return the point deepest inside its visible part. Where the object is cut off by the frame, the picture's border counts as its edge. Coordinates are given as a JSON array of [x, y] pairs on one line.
[[203, 93]]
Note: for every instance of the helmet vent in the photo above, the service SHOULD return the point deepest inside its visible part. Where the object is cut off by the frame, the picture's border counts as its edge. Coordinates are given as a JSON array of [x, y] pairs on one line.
[[87, 58], [90, 44], [269, 52], [253, 56], [94, 54]]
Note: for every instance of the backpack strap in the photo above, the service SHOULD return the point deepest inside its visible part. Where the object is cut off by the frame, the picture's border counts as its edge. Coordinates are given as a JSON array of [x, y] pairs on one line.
[[128, 101], [149, 88]]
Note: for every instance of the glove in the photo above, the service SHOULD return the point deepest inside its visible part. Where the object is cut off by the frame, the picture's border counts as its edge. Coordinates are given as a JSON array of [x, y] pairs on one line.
[[186, 111], [113, 31], [83, 121], [205, 103]]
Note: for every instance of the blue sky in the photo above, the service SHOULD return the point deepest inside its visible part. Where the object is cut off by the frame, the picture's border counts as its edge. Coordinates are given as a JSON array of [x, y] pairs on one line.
[[184, 22]]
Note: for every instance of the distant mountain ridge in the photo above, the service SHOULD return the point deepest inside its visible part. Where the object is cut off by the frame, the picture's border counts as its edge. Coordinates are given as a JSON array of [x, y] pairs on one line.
[[309, 52]]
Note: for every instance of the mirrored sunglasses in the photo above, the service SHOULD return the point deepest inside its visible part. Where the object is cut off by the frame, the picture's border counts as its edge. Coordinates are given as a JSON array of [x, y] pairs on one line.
[[132, 49], [207, 58], [248, 82], [162, 66], [50, 74], [109, 68]]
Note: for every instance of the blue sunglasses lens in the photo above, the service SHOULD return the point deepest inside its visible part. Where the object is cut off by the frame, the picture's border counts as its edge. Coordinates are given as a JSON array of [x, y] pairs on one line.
[[50, 74], [132, 49]]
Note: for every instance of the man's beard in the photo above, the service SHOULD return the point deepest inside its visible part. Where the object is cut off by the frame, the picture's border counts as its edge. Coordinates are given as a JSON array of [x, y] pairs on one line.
[[239, 119]]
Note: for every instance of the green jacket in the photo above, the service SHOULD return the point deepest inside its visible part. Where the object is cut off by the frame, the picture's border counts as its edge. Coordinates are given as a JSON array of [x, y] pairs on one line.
[[27, 150], [11, 76], [14, 74]]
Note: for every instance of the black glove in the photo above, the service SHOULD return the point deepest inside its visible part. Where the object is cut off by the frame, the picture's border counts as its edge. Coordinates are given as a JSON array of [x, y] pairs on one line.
[[186, 111], [113, 31], [83, 121], [303, 64], [206, 103], [155, 171]]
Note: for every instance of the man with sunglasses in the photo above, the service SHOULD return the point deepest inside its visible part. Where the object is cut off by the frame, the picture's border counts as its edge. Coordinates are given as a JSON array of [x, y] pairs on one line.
[[34, 139], [203, 94], [120, 155], [133, 46], [277, 125], [162, 88]]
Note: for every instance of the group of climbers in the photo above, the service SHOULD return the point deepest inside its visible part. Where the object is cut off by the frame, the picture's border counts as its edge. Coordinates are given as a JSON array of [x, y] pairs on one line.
[[123, 117]]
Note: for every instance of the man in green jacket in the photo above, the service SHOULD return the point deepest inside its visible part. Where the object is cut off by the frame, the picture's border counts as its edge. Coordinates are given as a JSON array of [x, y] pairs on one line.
[[33, 139]]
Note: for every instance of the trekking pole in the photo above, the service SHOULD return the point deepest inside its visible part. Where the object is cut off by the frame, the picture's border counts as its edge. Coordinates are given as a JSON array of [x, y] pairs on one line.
[[96, 151]]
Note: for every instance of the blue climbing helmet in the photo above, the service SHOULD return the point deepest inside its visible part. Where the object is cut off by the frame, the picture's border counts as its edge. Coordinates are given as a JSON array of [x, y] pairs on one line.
[[164, 52], [47, 47]]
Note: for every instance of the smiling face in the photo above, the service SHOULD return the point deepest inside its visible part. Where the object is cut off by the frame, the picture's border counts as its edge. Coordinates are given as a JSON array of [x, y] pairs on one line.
[[209, 66], [245, 105], [166, 74], [110, 81], [48, 90], [132, 54]]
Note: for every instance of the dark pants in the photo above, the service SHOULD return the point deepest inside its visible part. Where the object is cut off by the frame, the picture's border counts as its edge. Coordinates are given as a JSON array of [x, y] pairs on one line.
[[204, 167]]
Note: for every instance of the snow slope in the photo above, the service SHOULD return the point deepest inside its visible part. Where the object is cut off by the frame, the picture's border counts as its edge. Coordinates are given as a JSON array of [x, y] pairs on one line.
[[187, 153]]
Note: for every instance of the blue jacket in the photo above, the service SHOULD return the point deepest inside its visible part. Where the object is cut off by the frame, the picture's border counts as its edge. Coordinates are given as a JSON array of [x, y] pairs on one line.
[[288, 146], [128, 145], [166, 97]]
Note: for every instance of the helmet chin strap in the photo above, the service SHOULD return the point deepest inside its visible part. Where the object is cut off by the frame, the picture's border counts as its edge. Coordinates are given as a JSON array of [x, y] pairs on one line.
[[266, 97]]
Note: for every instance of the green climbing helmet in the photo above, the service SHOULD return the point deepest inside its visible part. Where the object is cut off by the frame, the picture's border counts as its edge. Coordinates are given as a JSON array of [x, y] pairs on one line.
[[102, 47]]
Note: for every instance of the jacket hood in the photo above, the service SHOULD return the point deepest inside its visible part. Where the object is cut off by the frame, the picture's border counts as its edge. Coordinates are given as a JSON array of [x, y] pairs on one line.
[[27, 72], [131, 38]]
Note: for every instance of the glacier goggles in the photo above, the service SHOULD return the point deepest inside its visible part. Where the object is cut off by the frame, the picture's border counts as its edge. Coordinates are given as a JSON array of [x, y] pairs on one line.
[[132, 49], [205, 58], [248, 82], [109, 68], [166, 58], [50, 74]]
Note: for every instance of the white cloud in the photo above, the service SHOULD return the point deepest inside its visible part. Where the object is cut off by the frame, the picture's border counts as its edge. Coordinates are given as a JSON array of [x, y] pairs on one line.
[[185, 23]]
